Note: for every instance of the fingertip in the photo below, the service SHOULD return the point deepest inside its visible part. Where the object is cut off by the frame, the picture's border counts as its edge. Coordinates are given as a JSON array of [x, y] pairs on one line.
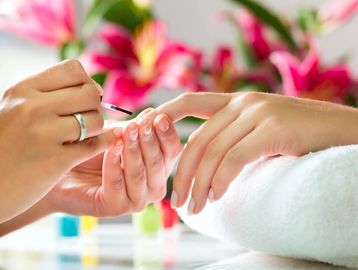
[[162, 123]]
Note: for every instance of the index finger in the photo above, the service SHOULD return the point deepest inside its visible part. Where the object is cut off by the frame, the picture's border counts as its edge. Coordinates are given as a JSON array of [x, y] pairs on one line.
[[202, 105], [63, 75]]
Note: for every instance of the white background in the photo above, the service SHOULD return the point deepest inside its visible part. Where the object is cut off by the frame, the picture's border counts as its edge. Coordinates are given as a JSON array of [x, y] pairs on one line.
[[188, 20]]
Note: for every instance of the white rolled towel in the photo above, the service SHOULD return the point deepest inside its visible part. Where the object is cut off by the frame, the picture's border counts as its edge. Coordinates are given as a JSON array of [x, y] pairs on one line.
[[305, 207]]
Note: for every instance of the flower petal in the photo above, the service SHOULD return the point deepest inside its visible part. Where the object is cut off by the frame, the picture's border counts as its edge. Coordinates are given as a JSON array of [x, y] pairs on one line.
[[294, 84]]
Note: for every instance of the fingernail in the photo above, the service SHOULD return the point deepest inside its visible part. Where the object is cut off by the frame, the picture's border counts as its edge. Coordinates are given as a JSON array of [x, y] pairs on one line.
[[211, 196], [147, 130], [118, 149], [117, 132], [191, 207], [174, 200], [133, 134], [163, 125]]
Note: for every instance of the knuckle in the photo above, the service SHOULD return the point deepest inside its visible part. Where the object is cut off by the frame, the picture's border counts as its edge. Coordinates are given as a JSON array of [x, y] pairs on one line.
[[212, 150], [265, 107], [156, 162], [233, 156], [274, 123], [118, 184], [249, 97], [139, 175]]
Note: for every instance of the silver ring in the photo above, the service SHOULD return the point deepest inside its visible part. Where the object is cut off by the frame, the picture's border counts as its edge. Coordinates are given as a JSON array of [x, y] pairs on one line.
[[83, 126]]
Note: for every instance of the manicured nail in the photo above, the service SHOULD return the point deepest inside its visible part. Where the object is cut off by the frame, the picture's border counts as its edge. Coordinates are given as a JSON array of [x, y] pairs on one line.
[[211, 196], [174, 200], [117, 132], [147, 130], [191, 207], [163, 125], [133, 134]]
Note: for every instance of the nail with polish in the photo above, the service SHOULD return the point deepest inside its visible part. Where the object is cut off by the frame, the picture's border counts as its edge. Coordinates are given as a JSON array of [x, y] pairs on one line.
[[174, 200], [147, 130], [191, 207], [133, 134], [163, 124], [211, 196]]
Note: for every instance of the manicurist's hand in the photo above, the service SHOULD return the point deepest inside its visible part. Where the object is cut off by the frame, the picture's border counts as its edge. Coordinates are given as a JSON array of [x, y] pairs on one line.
[[38, 133], [127, 177], [243, 127]]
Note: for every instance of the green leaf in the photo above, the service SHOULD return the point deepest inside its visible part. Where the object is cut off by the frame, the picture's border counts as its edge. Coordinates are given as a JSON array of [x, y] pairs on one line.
[[307, 20], [71, 50], [268, 17], [96, 14], [100, 78], [247, 55], [193, 120], [351, 100], [122, 12]]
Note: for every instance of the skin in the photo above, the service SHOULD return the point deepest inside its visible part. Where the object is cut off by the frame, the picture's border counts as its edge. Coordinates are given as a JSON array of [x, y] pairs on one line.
[[243, 127], [112, 173], [36, 131]]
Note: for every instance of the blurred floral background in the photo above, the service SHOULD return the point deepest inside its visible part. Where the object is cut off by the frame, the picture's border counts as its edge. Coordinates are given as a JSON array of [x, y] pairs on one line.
[[127, 48], [131, 51]]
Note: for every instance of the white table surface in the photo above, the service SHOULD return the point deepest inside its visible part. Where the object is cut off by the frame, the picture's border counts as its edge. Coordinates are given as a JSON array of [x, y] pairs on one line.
[[110, 246]]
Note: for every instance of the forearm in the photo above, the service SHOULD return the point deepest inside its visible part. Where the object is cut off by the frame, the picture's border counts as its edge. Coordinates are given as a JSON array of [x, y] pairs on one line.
[[37, 211]]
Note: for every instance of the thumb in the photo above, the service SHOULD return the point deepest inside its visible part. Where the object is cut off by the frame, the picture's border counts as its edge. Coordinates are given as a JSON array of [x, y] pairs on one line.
[[202, 105]]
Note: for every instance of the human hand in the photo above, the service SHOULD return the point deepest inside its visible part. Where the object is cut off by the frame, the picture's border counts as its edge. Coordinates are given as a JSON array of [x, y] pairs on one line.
[[36, 130], [127, 177], [243, 127]]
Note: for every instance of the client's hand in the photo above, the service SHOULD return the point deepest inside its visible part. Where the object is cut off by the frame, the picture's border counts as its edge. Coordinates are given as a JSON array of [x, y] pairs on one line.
[[127, 177], [243, 127]]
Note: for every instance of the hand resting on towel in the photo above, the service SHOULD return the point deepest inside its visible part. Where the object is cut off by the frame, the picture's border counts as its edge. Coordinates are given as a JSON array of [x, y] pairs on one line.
[[243, 127]]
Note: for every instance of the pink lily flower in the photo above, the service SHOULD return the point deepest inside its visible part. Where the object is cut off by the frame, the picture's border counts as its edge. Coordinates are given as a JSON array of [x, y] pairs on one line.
[[253, 33], [309, 79], [136, 64], [335, 12], [224, 71], [50, 22]]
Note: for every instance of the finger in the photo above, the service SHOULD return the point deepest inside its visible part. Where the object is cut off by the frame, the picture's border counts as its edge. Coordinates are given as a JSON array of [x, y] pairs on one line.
[[144, 113], [134, 169], [115, 199], [202, 105], [169, 141], [153, 160], [195, 150], [76, 153], [252, 147], [76, 99], [65, 74], [213, 156], [69, 129]]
